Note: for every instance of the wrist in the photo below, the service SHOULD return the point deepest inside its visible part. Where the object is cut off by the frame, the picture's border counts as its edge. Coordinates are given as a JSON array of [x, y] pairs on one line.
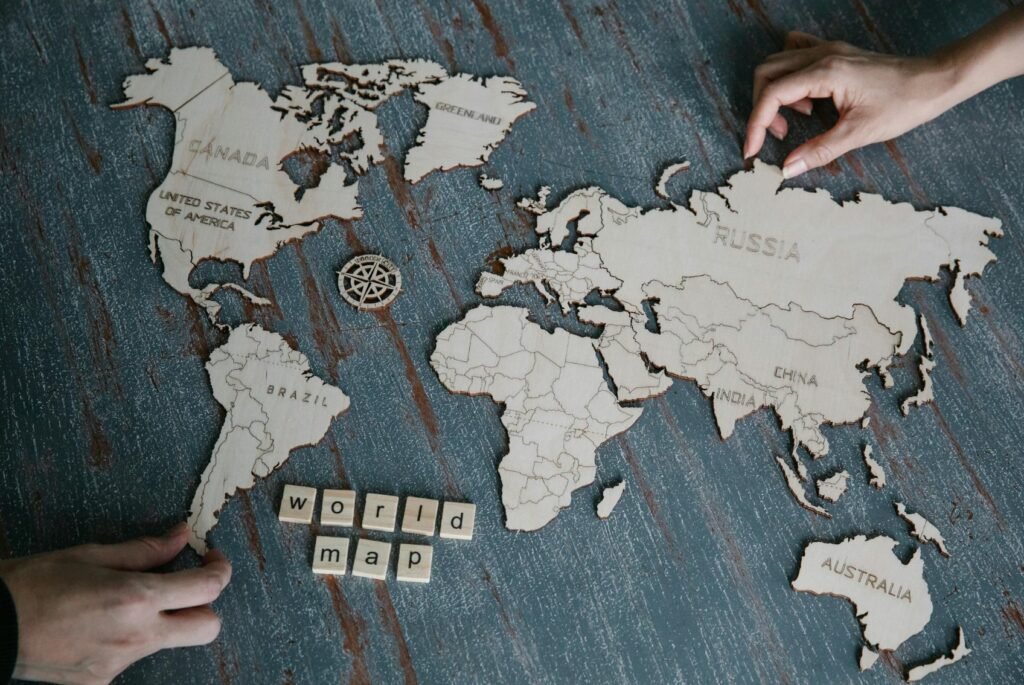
[[947, 78]]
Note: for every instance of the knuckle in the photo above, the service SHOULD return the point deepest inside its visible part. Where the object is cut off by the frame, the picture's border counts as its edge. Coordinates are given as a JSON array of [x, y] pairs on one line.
[[211, 585], [832, 62]]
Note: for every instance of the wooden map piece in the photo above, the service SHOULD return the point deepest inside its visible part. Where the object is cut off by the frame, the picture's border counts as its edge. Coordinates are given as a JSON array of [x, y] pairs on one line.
[[877, 473], [228, 195], [797, 489], [959, 652], [867, 659], [467, 117], [610, 497], [927, 364], [833, 487], [536, 205], [557, 407], [890, 598], [661, 187], [756, 293], [273, 403], [922, 529], [490, 183]]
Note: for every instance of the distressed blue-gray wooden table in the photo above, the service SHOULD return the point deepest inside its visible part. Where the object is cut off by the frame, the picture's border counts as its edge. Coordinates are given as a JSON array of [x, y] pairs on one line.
[[107, 418]]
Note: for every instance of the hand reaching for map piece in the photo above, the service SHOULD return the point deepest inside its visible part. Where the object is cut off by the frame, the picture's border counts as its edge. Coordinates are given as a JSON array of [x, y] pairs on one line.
[[86, 613], [878, 96]]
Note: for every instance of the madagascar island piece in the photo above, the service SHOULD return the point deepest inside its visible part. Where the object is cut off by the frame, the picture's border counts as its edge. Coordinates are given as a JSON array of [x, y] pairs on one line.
[[610, 497]]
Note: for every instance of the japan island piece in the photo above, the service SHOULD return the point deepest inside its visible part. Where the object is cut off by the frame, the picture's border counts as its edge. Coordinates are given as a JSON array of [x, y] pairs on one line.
[[420, 516], [414, 562], [890, 598], [330, 556], [763, 296], [297, 504], [372, 558], [273, 404], [369, 282], [228, 194], [876, 472], [380, 512], [338, 508], [458, 520]]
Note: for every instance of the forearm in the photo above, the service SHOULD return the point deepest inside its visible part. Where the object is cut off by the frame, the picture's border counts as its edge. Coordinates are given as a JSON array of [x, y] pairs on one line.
[[988, 56]]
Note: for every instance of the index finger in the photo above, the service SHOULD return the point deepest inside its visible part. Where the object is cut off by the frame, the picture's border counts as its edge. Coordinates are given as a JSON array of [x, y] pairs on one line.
[[806, 83]]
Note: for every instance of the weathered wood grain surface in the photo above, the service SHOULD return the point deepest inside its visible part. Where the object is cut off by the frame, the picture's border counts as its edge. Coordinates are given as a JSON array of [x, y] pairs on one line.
[[107, 418]]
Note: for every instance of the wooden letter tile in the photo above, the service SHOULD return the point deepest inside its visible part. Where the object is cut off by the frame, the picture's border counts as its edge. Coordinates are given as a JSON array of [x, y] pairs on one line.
[[380, 512], [420, 516], [414, 562], [339, 508], [457, 520], [297, 504], [371, 559], [330, 556]]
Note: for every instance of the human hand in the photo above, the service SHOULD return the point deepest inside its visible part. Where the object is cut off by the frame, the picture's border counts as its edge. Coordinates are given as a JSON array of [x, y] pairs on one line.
[[878, 96], [87, 613]]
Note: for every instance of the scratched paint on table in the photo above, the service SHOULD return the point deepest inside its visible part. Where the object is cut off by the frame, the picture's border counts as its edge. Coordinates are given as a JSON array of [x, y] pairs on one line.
[[689, 580]]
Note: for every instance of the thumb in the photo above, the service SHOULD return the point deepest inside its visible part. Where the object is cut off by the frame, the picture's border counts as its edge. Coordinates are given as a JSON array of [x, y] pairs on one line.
[[140, 554], [821, 150]]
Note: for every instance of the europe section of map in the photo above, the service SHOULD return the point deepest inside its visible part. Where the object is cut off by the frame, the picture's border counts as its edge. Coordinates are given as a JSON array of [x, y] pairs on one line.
[[229, 196], [762, 297]]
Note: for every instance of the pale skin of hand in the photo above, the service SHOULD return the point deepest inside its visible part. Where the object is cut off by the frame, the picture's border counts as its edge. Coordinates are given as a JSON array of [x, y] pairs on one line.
[[878, 96], [87, 613]]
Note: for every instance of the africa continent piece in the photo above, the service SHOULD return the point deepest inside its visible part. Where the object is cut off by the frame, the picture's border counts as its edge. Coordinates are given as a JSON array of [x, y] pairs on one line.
[[273, 404], [369, 282]]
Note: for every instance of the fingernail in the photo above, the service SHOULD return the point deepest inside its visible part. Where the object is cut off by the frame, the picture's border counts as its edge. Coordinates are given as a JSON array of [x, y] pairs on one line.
[[746, 150], [794, 168], [774, 132], [805, 108], [176, 530]]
